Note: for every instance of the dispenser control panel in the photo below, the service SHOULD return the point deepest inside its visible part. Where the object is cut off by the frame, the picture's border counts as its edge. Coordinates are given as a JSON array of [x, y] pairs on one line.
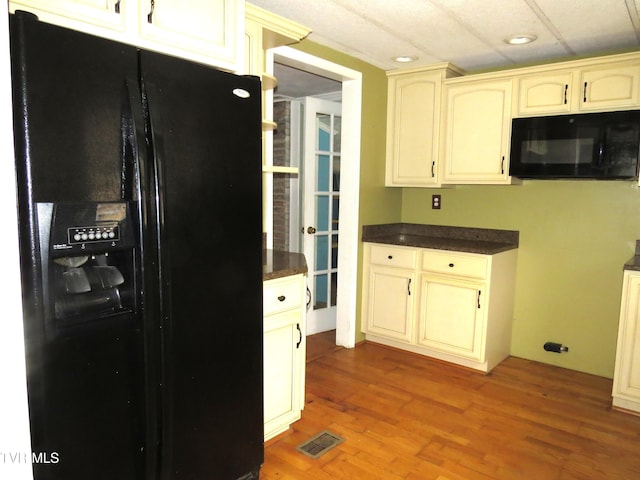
[[93, 234]]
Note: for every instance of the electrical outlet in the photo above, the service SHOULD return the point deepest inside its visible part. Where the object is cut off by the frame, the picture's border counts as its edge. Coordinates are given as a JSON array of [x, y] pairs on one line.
[[436, 202]]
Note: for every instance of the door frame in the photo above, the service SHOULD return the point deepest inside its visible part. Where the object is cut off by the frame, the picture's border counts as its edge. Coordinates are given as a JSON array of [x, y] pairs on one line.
[[350, 177]]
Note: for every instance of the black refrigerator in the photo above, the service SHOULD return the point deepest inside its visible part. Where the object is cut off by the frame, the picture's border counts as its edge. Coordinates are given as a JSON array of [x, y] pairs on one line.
[[139, 184]]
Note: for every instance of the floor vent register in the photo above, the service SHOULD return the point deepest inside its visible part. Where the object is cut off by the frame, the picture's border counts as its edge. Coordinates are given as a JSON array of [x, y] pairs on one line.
[[319, 444]]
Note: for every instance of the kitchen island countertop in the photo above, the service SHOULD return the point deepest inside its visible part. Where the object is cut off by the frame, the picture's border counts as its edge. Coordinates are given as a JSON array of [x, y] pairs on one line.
[[279, 263], [462, 239]]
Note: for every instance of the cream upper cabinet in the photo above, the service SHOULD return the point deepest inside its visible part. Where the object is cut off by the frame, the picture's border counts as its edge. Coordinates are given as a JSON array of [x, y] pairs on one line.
[[413, 125], [205, 31], [477, 131], [98, 17], [601, 84], [545, 93], [613, 87], [460, 311], [208, 31], [626, 377]]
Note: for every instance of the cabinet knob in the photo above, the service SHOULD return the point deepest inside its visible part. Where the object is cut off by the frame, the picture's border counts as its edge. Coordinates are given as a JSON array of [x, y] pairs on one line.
[[281, 298], [451, 265], [390, 257]]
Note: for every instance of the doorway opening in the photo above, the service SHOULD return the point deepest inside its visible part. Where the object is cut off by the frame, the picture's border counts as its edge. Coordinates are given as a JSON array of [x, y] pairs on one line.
[[305, 80]]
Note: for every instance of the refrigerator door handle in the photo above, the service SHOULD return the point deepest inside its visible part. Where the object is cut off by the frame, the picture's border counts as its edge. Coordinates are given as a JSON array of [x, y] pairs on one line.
[[139, 183], [156, 200], [132, 168]]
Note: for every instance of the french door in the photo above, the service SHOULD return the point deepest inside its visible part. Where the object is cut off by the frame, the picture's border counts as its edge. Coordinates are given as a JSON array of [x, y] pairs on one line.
[[321, 212]]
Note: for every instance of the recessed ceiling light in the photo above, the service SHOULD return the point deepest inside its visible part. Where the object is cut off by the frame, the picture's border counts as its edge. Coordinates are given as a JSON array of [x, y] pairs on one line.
[[405, 58], [520, 39]]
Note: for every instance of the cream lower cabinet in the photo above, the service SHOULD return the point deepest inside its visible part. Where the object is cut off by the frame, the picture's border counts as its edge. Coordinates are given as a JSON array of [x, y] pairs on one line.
[[284, 353], [626, 378], [460, 310], [390, 303], [205, 31], [389, 291], [452, 316]]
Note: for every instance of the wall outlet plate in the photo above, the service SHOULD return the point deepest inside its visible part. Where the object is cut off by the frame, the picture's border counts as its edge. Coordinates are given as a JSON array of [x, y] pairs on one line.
[[436, 202]]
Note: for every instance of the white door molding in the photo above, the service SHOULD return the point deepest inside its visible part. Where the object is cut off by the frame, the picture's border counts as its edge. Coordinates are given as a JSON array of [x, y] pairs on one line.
[[350, 179]]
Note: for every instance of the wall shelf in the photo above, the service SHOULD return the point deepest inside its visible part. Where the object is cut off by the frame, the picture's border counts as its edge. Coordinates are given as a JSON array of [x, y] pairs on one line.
[[279, 169]]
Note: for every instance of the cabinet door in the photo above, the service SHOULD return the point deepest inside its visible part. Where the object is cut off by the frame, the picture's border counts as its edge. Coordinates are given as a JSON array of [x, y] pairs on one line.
[[478, 126], [606, 88], [201, 30], [452, 316], [282, 341], [626, 381], [413, 113], [83, 15], [545, 93], [390, 302]]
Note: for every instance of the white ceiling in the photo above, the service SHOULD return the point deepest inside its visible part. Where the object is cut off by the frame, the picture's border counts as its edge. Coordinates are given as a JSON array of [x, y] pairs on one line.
[[468, 33]]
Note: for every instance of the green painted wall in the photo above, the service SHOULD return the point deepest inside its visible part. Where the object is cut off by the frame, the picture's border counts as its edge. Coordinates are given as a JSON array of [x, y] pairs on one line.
[[575, 237], [377, 203]]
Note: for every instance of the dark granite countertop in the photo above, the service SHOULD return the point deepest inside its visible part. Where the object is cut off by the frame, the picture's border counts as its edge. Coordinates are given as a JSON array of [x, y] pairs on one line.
[[278, 263], [634, 262], [462, 239]]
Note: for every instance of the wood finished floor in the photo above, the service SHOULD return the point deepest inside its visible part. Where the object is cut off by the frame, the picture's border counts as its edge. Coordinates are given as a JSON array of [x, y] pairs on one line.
[[407, 417]]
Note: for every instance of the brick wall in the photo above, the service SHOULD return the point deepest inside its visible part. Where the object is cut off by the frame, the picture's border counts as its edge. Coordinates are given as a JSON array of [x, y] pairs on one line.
[[281, 182]]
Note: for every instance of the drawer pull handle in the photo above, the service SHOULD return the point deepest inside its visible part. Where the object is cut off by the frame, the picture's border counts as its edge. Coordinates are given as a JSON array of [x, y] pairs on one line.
[[150, 16], [451, 265], [390, 257], [281, 298], [409, 287], [300, 337], [479, 293]]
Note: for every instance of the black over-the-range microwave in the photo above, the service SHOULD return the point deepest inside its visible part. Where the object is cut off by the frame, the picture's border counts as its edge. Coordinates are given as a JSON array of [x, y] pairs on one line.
[[589, 145]]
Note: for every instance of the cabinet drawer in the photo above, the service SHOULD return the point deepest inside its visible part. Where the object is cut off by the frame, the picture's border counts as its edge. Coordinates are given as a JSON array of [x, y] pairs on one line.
[[282, 294], [393, 256], [455, 264]]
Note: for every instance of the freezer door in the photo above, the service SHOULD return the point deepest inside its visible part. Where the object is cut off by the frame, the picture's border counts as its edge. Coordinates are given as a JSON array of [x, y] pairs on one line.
[[206, 137], [86, 380]]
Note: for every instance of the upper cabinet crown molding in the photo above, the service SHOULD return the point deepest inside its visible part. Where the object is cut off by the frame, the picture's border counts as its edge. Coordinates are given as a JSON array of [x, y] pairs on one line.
[[204, 31], [277, 31]]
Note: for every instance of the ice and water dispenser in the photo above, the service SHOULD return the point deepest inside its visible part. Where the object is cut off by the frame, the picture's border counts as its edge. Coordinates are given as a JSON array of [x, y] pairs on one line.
[[88, 258]]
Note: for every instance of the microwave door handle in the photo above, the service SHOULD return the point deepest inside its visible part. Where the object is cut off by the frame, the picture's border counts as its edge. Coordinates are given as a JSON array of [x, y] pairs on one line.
[[601, 152]]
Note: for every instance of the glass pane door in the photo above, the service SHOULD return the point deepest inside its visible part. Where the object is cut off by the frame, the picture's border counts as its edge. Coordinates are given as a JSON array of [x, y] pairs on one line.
[[322, 209]]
